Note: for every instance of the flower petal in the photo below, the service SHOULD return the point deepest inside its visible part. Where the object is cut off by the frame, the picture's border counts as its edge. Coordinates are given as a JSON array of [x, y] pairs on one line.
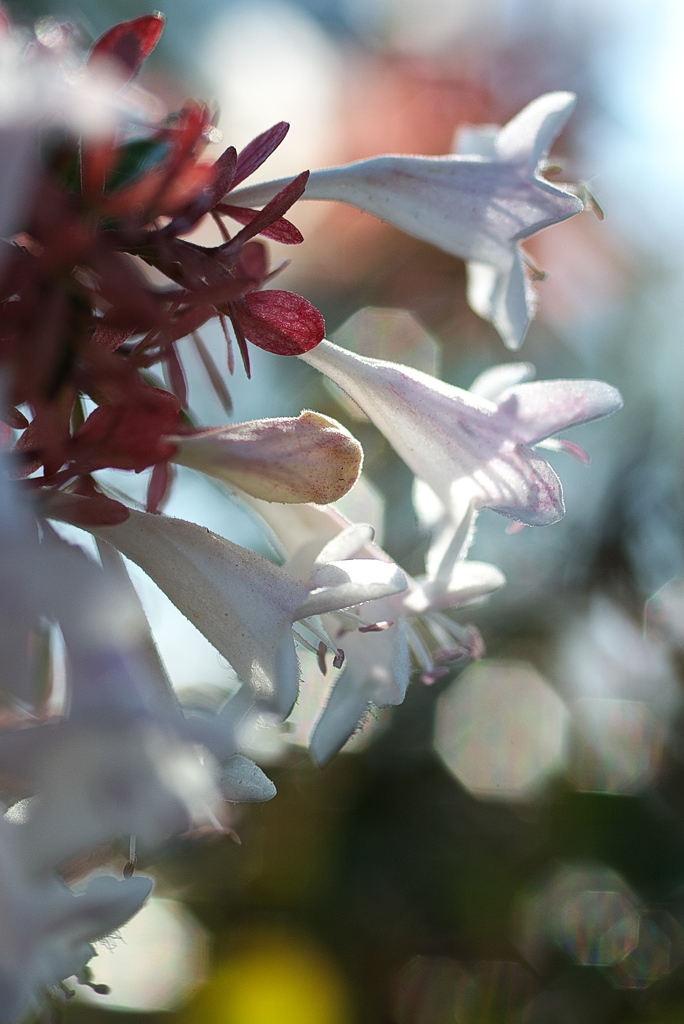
[[497, 379], [469, 582], [478, 205], [352, 582], [529, 135], [243, 604], [539, 409], [242, 781], [504, 296], [376, 672]]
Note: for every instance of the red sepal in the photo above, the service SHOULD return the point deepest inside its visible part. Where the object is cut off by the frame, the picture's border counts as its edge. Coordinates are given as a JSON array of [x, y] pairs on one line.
[[281, 230], [258, 150], [280, 322], [131, 42], [98, 510], [271, 213], [127, 436], [161, 480]]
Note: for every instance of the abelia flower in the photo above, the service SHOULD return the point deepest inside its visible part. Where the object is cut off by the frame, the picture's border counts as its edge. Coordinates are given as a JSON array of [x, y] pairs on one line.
[[47, 929], [473, 451], [243, 604], [384, 637], [479, 204], [291, 459]]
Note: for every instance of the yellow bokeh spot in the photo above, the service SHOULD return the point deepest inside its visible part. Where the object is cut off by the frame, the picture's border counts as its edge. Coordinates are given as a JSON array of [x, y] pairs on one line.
[[274, 975]]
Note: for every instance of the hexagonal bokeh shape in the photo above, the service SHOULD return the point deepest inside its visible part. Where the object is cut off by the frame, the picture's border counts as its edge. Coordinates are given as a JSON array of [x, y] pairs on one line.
[[501, 730], [657, 953], [617, 745], [598, 927], [586, 910]]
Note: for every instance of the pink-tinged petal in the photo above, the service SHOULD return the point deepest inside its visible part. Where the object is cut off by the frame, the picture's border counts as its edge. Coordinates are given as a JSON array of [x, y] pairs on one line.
[[291, 459], [497, 379], [522, 486], [538, 409], [451, 439], [468, 207], [280, 322]]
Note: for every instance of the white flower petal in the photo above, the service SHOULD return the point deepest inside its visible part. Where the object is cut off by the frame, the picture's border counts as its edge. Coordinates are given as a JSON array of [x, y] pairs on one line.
[[529, 135], [376, 672], [497, 379], [345, 584], [242, 781], [468, 583], [347, 544], [541, 408], [504, 296], [243, 604], [106, 904]]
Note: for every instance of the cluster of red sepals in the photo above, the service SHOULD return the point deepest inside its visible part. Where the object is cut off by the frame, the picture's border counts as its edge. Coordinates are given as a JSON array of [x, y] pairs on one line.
[[79, 318]]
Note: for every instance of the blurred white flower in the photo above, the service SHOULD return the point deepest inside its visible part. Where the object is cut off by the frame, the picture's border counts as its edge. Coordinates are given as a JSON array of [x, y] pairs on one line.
[[479, 203], [46, 929]]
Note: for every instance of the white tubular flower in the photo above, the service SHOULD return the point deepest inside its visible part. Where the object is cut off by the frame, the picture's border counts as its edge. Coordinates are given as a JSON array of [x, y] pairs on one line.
[[46, 929], [380, 638], [474, 452], [243, 604], [290, 459], [478, 204]]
